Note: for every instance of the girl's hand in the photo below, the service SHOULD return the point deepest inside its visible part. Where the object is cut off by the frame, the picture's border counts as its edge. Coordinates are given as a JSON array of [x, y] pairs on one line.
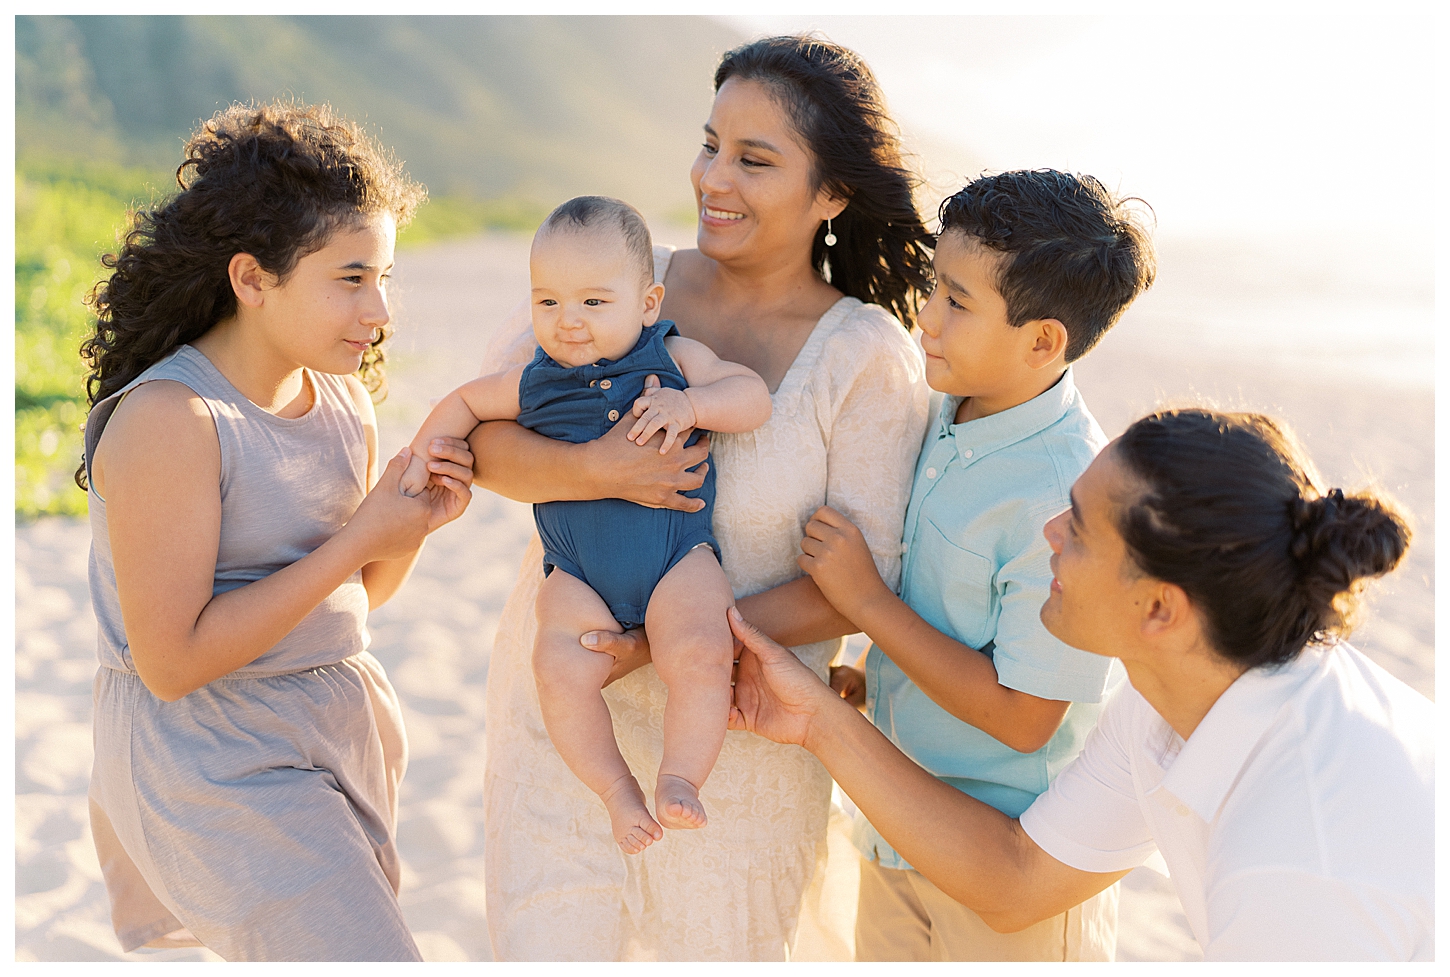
[[450, 480], [837, 558], [630, 650], [662, 408], [389, 525], [775, 695]]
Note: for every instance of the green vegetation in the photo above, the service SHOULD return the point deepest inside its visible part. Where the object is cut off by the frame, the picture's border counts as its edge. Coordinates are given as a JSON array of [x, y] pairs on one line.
[[67, 215]]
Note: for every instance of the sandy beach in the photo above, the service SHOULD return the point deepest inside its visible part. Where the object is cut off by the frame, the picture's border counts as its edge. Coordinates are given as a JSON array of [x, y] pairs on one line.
[[434, 637]]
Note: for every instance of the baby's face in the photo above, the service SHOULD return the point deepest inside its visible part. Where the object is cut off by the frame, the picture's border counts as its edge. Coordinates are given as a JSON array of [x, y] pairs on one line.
[[589, 301]]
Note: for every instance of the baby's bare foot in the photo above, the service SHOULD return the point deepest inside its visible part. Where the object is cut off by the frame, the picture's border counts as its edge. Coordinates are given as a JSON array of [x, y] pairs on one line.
[[629, 819], [677, 802]]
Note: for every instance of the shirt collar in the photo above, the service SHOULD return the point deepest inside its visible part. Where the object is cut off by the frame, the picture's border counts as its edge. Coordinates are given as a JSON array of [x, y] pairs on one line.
[[1209, 763], [980, 437]]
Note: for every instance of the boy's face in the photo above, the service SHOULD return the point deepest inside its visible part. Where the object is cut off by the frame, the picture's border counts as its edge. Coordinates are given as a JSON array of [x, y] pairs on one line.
[[971, 349], [589, 301]]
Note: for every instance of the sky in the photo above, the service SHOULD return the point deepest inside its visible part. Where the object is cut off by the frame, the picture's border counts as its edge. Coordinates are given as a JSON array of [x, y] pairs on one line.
[[1303, 123]]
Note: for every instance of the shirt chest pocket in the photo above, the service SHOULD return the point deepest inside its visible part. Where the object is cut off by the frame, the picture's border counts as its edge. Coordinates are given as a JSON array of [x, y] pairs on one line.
[[952, 587]]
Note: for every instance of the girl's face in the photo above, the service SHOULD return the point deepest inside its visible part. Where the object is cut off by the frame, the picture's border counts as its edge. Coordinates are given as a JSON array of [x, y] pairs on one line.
[[754, 181], [332, 306]]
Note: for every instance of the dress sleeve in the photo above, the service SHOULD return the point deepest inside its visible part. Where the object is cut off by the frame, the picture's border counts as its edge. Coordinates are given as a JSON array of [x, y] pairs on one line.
[[878, 414], [512, 343], [1026, 655], [1090, 818]]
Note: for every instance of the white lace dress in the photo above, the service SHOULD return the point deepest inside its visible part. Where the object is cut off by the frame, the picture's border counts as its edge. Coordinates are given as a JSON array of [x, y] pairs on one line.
[[847, 424]]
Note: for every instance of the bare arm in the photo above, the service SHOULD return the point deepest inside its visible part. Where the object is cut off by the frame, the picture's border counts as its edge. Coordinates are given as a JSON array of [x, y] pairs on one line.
[[955, 676], [971, 851], [725, 396], [158, 466], [443, 463]]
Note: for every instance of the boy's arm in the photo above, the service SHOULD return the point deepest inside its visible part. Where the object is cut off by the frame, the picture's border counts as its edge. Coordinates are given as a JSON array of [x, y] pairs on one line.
[[490, 398], [726, 396], [956, 677]]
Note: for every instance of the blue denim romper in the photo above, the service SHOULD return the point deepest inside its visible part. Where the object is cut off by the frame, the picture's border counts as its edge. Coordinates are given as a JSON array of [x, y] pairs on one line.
[[620, 549]]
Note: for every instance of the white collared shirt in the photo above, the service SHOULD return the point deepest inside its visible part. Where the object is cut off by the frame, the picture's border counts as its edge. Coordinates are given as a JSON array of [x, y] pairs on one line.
[[1297, 822]]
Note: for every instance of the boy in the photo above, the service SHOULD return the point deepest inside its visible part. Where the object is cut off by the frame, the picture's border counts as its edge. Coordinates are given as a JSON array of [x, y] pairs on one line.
[[612, 564], [1032, 268]]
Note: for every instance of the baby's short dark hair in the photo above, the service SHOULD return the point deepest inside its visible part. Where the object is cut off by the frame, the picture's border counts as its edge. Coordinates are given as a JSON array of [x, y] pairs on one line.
[[1072, 251], [596, 212]]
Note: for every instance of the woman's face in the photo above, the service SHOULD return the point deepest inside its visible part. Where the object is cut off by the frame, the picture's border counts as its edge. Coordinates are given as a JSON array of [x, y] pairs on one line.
[[754, 180], [1097, 592]]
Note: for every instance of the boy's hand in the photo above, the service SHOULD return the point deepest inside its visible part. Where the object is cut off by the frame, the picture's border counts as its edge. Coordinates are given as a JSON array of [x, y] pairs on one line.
[[662, 408], [836, 556], [849, 683], [415, 478]]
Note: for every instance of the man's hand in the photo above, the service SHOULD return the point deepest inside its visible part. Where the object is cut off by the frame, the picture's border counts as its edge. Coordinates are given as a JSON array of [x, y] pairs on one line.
[[776, 696], [837, 558]]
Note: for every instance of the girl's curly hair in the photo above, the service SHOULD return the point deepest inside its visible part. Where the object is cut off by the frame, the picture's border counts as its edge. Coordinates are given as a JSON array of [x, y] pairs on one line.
[[274, 181]]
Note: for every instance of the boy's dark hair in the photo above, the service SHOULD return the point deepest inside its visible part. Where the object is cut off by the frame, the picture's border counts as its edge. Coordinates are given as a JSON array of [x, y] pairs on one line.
[[273, 180], [583, 212], [1072, 251]]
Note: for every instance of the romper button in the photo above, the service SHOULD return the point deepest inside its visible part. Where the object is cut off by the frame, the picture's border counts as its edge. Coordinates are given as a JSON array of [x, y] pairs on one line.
[[593, 382], [967, 453], [605, 384], [614, 415], [931, 473]]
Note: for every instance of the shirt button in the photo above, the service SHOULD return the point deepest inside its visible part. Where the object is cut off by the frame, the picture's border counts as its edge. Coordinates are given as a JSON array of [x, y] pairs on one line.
[[967, 453], [614, 415], [931, 473], [605, 384]]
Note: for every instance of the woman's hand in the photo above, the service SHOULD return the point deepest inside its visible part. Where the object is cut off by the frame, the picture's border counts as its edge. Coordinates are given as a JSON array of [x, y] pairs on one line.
[[630, 650], [450, 477], [649, 477], [776, 696], [837, 558]]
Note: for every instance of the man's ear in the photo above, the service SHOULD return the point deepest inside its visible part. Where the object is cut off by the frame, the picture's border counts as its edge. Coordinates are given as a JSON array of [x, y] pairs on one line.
[[1168, 614], [249, 281], [1048, 342]]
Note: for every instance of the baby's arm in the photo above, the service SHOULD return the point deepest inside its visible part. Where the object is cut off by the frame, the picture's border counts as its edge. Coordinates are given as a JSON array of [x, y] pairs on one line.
[[491, 398], [722, 396]]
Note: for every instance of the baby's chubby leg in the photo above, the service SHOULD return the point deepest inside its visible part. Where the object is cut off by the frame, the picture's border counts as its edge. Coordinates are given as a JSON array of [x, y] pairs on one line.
[[692, 649], [569, 679]]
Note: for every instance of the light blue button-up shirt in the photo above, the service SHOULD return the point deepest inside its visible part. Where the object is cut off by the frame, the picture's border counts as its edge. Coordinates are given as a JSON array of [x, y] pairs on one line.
[[975, 567]]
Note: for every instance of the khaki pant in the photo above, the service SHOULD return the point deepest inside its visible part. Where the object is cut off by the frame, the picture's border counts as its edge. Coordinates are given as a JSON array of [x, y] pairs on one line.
[[902, 916]]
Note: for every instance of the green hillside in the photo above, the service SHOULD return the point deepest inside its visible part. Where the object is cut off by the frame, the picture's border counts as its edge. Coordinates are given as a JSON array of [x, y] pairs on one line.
[[530, 108]]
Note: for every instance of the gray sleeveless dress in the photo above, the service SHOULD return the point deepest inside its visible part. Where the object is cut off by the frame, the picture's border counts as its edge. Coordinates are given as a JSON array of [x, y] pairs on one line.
[[257, 812]]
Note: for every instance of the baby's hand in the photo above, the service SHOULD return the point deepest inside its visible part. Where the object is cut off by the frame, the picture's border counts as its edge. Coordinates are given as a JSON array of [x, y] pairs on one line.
[[415, 477], [662, 408]]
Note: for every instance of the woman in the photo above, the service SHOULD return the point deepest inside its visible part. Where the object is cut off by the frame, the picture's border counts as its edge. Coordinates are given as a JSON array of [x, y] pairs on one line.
[[811, 255], [248, 748], [1287, 781]]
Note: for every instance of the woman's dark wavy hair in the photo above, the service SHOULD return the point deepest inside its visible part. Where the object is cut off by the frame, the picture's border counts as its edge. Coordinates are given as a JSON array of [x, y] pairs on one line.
[[1231, 510], [883, 250], [273, 181]]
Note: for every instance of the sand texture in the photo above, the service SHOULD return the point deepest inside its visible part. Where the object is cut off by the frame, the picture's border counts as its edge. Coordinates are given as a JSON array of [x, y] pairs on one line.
[[434, 637]]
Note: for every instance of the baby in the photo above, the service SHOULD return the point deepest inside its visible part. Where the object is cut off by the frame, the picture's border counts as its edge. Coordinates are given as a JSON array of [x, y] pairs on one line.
[[612, 564]]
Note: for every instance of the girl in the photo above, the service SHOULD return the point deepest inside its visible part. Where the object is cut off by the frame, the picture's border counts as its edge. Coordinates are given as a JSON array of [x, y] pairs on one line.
[[248, 748]]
